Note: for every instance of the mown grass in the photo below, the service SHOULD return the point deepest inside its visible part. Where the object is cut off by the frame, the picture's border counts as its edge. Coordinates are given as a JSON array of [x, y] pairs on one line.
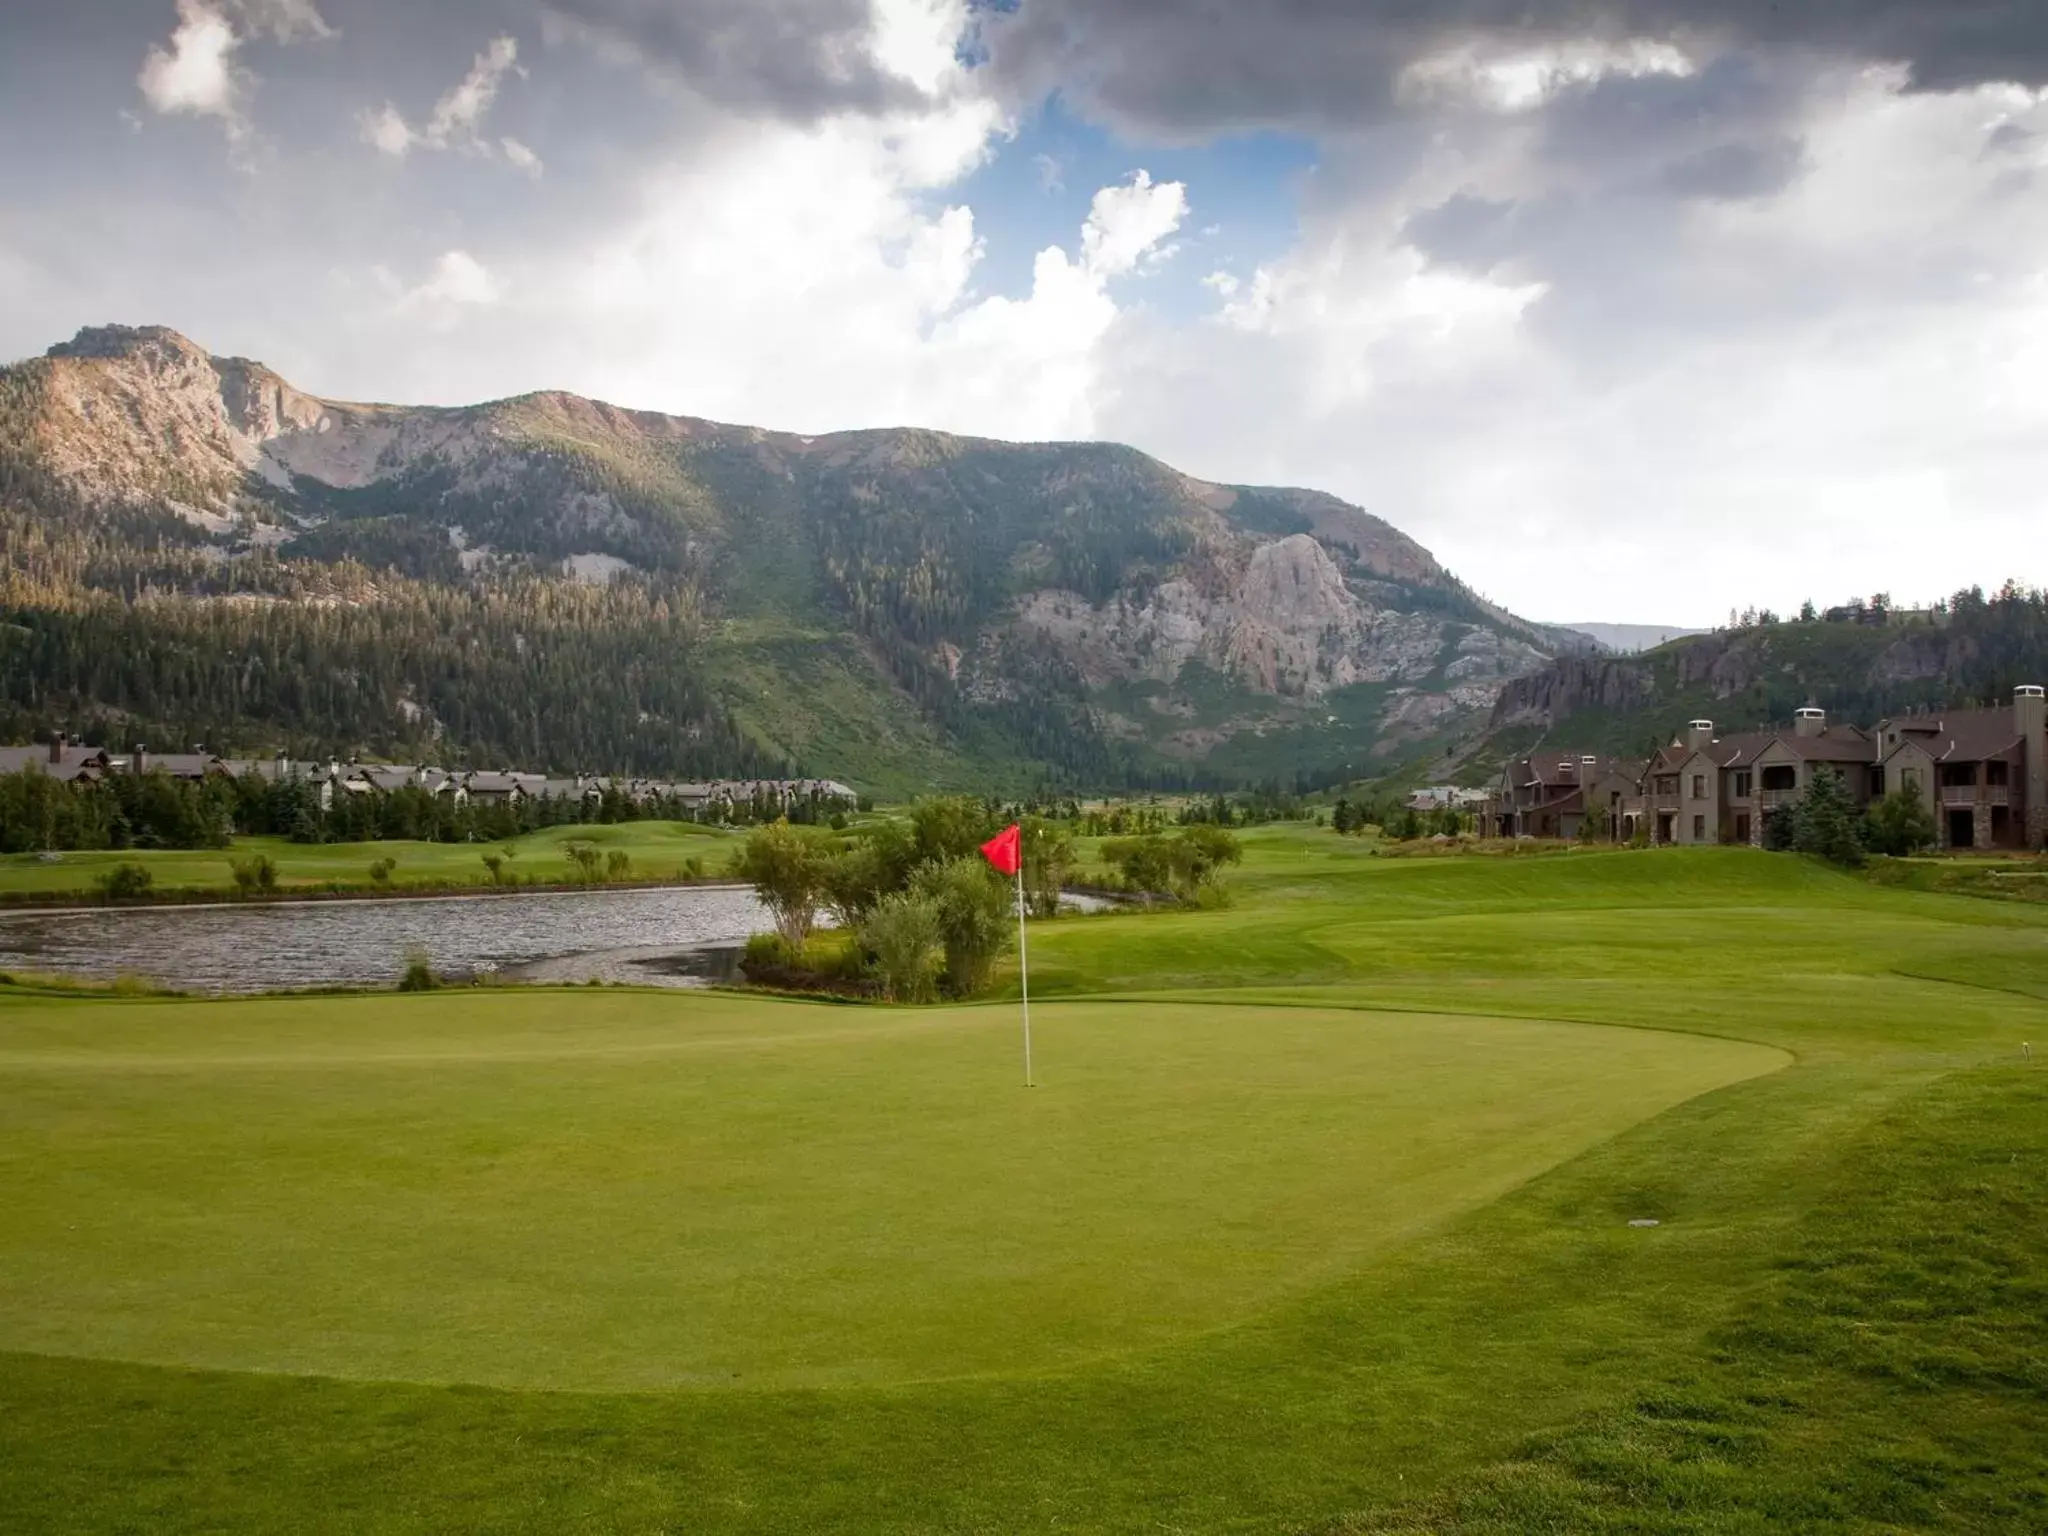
[[656, 849], [1836, 1324]]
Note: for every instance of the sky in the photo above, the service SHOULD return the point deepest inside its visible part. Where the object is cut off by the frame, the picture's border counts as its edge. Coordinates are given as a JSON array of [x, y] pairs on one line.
[[1630, 310]]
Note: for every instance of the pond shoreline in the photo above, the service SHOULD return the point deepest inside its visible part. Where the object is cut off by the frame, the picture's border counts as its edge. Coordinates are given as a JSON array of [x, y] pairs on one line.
[[68, 903]]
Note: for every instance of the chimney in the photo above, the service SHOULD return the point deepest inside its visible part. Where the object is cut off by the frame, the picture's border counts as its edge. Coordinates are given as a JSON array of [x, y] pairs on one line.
[[141, 758], [2030, 718], [1588, 760], [1809, 721], [57, 739], [1699, 734]]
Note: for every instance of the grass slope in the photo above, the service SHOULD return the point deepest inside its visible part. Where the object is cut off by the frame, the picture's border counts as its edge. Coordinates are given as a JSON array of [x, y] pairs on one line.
[[1836, 1326], [657, 849]]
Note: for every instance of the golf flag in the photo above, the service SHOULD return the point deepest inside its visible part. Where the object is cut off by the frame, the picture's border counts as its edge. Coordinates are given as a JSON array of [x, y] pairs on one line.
[[1006, 851]]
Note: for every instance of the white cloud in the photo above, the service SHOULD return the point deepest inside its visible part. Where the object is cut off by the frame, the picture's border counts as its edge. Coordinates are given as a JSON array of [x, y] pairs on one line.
[[1514, 79], [520, 157], [457, 119], [457, 114], [196, 72], [386, 129], [1127, 224], [459, 279]]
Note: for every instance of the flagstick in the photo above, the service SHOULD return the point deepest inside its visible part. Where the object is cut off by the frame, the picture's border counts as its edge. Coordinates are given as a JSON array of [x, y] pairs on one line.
[[1024, 967]]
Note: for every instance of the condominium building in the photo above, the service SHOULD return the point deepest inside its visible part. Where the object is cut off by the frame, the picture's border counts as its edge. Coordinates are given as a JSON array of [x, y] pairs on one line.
[[1982, 774]]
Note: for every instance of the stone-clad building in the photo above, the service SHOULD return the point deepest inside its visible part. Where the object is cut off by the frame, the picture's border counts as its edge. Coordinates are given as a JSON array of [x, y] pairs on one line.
[[1981, 773]]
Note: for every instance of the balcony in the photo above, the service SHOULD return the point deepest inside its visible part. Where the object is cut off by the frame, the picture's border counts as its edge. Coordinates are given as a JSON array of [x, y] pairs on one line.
[[1963, 797], [1776, 799]]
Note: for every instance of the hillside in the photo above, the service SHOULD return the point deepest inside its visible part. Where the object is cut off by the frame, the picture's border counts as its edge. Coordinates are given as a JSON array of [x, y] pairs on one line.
[[569, 581], [1969, 649]]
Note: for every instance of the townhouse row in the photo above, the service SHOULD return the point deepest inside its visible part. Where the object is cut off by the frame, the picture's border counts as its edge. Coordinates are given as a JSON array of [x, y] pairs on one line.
[[73, 762], [1982, 774]]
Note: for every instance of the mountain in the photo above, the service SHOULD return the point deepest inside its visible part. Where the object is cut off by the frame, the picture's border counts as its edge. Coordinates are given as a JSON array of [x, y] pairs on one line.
[[564, 580], [1858, 664], [1628, 638]]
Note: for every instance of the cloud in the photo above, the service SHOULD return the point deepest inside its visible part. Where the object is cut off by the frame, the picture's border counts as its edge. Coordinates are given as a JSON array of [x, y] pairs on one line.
[[1581, 394], [196, 72], [520, 157], [1190, 68], [457, 119], [798, 60], [1127, 224], [1051, 175], [289, 21], [459, 279]]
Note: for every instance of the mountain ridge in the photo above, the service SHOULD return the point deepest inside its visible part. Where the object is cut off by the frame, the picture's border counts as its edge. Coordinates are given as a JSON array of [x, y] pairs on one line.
[[1078, 608]]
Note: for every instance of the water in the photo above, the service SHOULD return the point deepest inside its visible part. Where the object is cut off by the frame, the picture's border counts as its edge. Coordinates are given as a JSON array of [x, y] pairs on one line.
[[681, 937]]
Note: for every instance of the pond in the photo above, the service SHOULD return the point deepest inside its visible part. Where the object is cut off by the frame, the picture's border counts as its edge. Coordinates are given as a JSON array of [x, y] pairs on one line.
[[680, 936], [683, 936]]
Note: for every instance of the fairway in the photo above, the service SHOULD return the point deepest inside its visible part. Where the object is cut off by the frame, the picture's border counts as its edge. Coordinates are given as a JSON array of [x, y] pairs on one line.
[[632, 1191]]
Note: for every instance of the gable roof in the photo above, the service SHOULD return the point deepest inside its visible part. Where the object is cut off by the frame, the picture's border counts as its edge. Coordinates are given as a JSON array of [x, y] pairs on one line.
[[1962, 735]]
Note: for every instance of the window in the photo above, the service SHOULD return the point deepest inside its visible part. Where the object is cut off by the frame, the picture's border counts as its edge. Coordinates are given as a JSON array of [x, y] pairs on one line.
[[1667, 783], [1699, 829], [1742, 829], [1959, 775], [1780, 776], [1699, 786], [1877, 783], [1909, 780], [1742, 785], [1994, 772]]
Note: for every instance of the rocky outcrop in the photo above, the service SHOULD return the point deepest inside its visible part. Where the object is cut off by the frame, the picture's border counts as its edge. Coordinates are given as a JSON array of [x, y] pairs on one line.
[[1569, 685], [1282, 620]]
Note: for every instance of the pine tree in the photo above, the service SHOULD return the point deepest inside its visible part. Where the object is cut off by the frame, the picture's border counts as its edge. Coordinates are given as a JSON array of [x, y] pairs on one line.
[[1825, 822]]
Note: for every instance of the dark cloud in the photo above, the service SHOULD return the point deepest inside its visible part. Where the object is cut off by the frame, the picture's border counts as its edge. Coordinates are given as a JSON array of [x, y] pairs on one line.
[[1474, 234], [798, 59], [1188, 67], [1732, 172]]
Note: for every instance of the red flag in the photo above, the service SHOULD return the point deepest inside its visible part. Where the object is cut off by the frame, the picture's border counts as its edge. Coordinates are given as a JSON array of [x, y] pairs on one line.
[[1005, 850]]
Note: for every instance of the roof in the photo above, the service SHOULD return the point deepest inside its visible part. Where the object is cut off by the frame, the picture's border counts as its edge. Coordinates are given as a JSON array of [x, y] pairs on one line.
[[1571, 768], [495, 784], [72, 762], [181, 765], [1965, 735], [1834, 744]]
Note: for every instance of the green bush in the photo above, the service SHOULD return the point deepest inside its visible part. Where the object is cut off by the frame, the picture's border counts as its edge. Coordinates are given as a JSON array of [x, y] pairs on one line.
[[976, 912], [380, 870], [904, 935], [126, 881], [419, 973], [617, 864], [257, 876]]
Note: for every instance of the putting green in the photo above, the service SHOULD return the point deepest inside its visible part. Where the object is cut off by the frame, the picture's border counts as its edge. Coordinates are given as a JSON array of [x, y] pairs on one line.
[[609, 1191]]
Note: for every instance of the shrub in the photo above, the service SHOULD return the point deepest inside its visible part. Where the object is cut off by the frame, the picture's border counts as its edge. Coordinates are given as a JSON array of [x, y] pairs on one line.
[[903, 933], [380, 870], [126, 881], [585, 858], [419, 973], [975, 913], [254, 876], [617, 864]]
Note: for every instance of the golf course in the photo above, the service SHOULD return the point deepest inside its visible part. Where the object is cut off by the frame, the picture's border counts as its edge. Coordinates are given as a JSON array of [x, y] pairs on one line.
[[1597, 1190]]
